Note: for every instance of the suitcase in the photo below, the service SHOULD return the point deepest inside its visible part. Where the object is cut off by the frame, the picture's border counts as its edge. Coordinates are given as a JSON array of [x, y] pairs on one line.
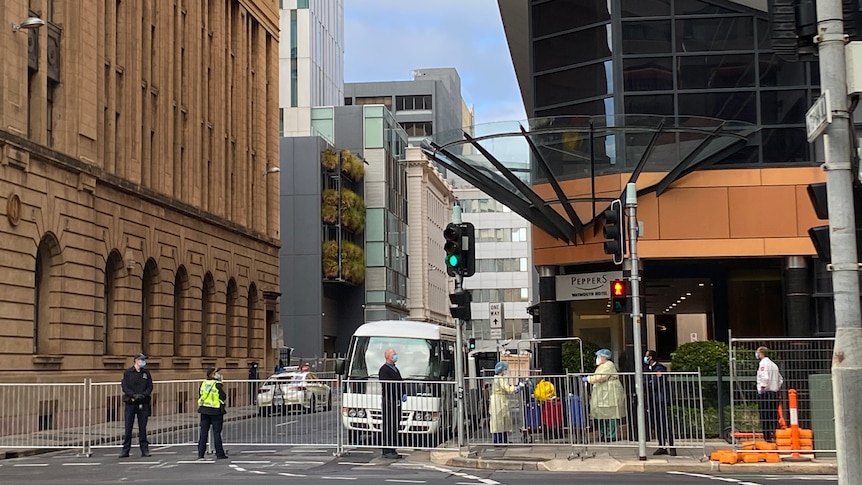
[[552, 418], [576, 411], [532, 420]]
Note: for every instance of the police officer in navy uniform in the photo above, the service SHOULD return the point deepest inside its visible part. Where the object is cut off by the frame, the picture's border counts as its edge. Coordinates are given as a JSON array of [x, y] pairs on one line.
[[137, 389], [252, 383], [393, 395], [211, 406]]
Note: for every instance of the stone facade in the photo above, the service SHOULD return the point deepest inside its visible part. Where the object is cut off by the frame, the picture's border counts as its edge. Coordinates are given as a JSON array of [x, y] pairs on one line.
[[137, 208], [429, 208]]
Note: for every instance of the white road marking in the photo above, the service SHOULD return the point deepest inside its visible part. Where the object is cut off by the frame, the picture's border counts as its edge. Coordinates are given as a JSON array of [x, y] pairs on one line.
[[163, 453], [713, 477], [395, 480], [257, 472], [356, 464], [141, 462], [251, 462], [303, 462], [186, 462], [303, 450], [30, 464], [81, 464], [291, 475], [338, 478], [284, 424], [258, 451]]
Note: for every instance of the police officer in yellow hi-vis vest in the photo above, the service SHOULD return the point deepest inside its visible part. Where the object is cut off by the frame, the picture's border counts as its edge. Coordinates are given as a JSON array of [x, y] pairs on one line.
[[211, 406]]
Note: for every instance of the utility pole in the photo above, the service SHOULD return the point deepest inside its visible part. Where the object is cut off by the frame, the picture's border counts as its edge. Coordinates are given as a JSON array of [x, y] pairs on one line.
[[459, 347], [632, 206], [847, 355]]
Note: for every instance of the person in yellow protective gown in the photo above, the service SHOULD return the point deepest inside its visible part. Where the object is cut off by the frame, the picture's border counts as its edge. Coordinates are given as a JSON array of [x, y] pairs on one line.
[[498, 408], [607, 398]]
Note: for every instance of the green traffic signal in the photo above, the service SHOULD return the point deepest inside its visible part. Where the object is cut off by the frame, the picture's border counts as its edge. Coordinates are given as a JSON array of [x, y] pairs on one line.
[[452, 260]]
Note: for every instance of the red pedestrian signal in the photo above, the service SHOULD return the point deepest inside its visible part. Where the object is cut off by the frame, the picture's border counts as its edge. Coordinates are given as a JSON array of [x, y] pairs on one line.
[[619, 296]]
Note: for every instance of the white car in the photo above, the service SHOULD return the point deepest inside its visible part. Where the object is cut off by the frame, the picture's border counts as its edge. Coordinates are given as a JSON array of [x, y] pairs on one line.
[[293, 389]]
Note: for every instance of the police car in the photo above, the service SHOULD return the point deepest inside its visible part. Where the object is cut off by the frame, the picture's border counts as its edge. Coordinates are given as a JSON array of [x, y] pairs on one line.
[[293, 389]]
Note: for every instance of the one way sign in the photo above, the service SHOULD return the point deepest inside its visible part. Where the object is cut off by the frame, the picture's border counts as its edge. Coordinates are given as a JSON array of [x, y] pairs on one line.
[[496, 315]]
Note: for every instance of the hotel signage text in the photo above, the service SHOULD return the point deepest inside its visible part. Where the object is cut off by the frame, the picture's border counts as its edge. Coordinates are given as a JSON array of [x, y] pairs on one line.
[[586, 286]]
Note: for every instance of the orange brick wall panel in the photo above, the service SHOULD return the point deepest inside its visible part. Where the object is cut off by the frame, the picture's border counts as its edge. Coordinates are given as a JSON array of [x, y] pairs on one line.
[[762, 211], [700, 213]]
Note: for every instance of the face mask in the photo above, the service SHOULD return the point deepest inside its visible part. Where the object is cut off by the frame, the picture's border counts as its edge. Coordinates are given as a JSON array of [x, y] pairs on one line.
[[395, 358], [598, 361], [646, 360], [142, 364], [757, 356], [218, 377]]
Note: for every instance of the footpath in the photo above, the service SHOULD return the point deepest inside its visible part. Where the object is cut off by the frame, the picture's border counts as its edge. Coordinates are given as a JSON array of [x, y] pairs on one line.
[[598, 459], [108, 434]]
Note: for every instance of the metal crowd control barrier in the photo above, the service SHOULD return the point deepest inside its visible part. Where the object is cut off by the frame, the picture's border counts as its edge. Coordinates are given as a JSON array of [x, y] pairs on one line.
[[805, 365], [597, 413], [427, 417], [43, 415], [270, 412]]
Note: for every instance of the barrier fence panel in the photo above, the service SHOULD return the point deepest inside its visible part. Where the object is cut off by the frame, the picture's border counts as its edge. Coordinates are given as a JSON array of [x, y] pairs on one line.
[[43, 415], [513, 410], [286, 411], [173, 418], [805, 365], [425, 413], [607, 410]]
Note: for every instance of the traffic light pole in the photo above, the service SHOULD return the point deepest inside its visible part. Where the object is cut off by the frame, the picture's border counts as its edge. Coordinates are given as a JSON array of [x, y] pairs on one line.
[[459, 348], [847, 354], [632, 206]]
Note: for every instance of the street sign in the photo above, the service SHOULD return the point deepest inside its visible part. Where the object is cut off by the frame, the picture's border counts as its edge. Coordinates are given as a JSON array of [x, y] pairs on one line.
[[495, 315], [496, 334], [818, 117]]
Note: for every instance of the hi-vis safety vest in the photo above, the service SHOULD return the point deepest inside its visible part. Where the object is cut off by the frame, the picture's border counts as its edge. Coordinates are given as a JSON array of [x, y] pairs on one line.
[[209, 395]]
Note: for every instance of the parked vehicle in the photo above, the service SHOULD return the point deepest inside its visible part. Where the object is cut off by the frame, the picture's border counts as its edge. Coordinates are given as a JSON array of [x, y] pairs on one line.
[[293, 389], [426, 362]]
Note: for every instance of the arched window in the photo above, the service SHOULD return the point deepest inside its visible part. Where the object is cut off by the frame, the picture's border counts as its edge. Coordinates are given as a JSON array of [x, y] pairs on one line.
[[250, 320], [208, 330], [47, 257], [113, 272], [148, 290], [234, 338], [181, 287]]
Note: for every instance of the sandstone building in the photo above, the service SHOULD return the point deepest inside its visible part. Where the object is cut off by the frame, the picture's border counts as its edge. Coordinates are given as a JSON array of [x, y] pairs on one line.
[[138, 210]]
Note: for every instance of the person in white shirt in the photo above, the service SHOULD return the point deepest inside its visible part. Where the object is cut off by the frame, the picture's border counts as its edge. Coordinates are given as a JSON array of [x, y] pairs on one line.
[[769, 382]]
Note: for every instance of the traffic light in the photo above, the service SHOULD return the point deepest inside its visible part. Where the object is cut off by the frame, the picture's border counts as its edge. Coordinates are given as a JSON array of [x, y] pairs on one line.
[[820, 234], [452, 246], [614, 232], [460, 304], [460, 249], [619, 296], [472, 344]]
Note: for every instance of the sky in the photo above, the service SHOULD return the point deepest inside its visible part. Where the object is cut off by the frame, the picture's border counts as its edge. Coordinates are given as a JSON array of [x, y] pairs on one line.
[[414, 34]]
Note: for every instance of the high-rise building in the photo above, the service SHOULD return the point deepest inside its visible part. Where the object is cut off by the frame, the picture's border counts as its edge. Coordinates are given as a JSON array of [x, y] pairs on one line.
[[139, 209], [686, 99], [344, 221], [310, 61]]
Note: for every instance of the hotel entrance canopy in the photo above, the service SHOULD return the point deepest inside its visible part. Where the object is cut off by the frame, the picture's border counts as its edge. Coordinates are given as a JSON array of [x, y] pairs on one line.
[[533, 166]]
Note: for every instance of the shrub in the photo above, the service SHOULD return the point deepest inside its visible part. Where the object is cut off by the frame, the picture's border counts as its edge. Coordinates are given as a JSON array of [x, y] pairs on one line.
[[352, 211], [330, 259], [704, 355], [686, 420], [352, 262], [352, 165], [329, 206], [572, 356], [328, 159]]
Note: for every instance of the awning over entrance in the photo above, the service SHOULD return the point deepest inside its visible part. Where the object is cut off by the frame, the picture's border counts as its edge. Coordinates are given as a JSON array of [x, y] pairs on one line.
[[534, 167]]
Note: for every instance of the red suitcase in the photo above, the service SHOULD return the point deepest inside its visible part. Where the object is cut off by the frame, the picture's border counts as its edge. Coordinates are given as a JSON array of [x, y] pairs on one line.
[[552, 418]]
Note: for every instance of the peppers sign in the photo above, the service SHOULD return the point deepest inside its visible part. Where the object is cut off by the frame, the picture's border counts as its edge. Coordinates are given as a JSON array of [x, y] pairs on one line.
[[586, 286]]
